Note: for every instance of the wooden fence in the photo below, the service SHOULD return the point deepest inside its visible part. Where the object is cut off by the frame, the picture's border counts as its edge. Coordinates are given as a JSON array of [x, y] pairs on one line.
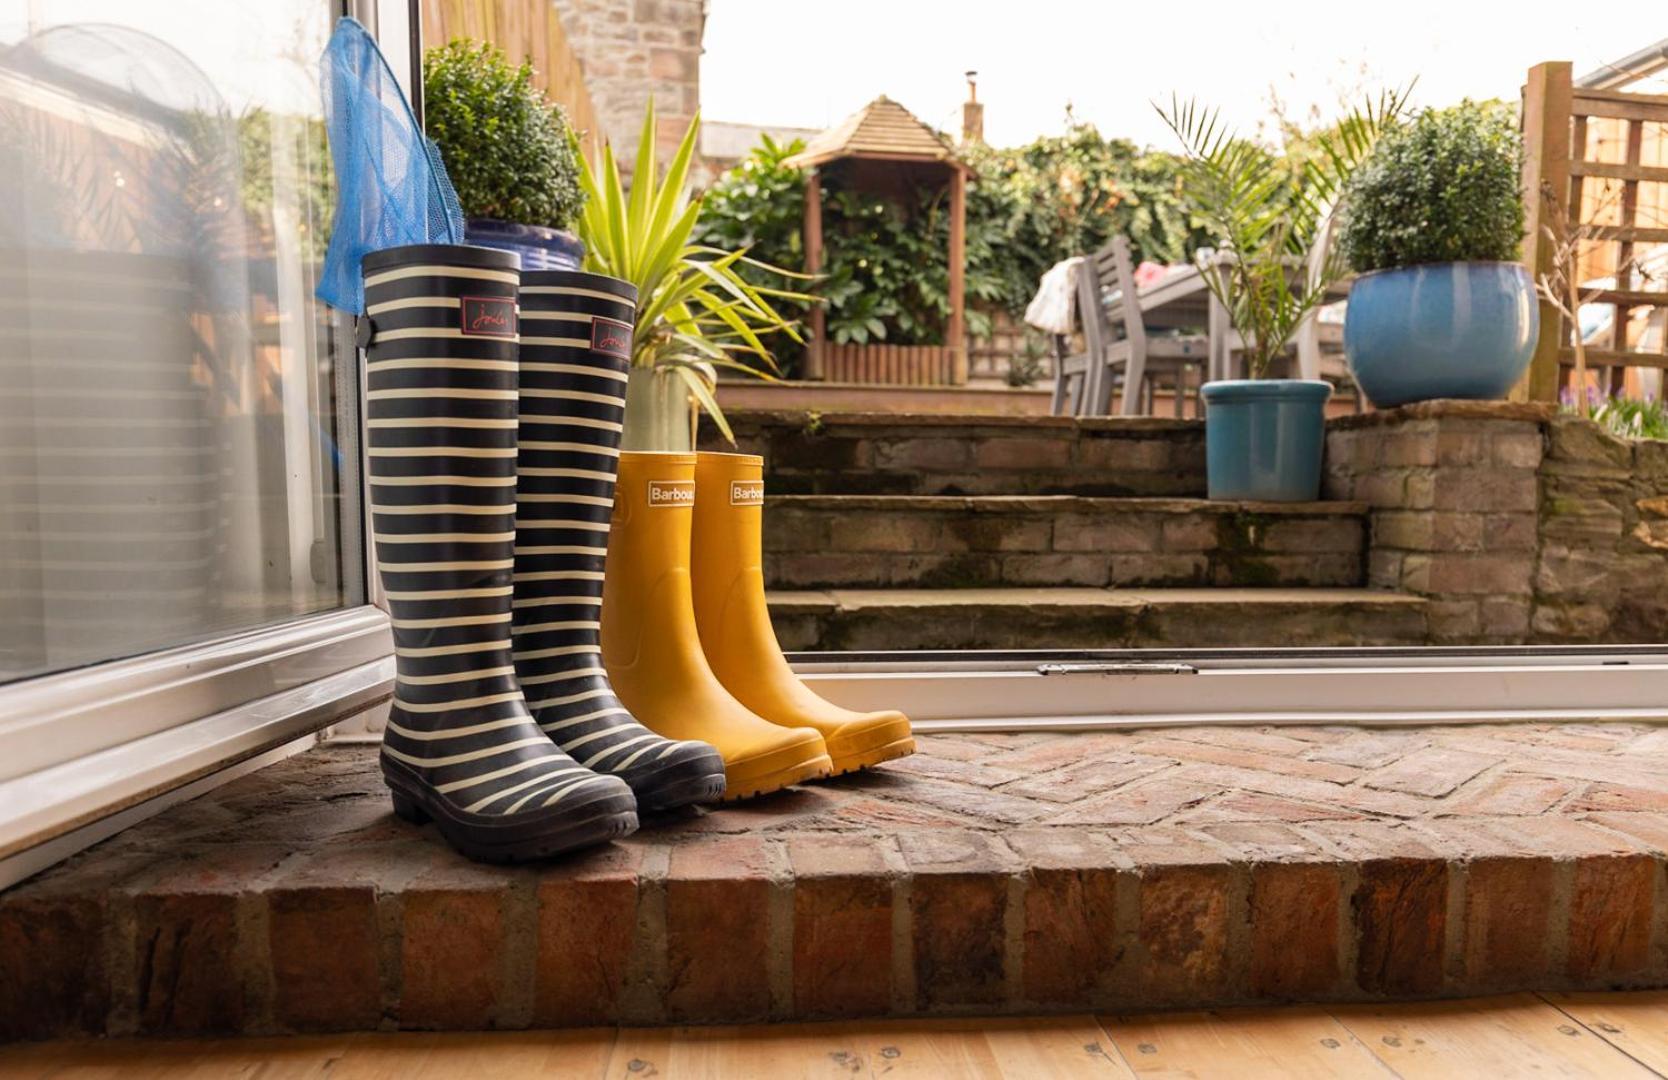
[[896, 365], [528, 29], [1603, 154]]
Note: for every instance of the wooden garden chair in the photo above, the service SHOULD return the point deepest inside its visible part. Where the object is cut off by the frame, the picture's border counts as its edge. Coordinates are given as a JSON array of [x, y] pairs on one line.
[[1320, 345], [1118, 351]]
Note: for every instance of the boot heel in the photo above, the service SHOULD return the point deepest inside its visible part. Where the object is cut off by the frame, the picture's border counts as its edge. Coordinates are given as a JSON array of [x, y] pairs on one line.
[[407, 809]]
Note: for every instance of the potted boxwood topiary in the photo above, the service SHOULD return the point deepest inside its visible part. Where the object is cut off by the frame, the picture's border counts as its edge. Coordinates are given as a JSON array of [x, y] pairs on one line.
[[1433, 223], [507, 152]]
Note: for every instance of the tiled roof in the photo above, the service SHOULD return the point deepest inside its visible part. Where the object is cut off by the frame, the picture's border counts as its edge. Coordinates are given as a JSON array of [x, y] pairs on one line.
[[882, 128]]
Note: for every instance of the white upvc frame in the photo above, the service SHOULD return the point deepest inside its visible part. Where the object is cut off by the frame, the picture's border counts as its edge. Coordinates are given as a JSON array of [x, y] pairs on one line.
[[1087, 691], [80, 746]]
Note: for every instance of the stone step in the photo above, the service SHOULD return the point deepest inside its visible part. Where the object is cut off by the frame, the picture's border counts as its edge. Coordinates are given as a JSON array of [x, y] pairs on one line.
[[947, 541], [880, 620], [890, 454], [991, 873]]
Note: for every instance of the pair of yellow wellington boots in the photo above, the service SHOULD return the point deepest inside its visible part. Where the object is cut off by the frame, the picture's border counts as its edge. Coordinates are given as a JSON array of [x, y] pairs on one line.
[[686, 635]]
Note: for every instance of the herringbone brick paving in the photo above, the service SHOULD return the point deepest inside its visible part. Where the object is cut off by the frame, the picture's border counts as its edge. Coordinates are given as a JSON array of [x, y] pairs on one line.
[[1186, 866]]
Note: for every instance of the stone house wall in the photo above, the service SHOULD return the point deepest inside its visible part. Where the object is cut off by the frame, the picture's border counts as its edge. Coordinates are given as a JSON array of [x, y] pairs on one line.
[[631, 49], [1520, 525]]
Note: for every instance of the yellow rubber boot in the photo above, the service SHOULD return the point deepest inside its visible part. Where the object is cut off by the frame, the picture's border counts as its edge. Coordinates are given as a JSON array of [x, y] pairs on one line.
[[650, 647], [734, 623]]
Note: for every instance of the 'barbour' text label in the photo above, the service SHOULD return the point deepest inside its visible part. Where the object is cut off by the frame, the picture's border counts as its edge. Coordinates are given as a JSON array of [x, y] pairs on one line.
[[746, 493], [671, 493]]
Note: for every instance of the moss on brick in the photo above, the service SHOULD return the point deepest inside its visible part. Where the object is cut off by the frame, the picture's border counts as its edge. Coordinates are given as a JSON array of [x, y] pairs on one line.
[[1251, 573]]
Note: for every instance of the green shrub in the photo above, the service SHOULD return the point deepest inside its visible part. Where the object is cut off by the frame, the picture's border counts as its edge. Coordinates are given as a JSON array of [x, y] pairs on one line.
[[1443, 187], [1063, 195], [506, 148], [884, 273], [759, 207]]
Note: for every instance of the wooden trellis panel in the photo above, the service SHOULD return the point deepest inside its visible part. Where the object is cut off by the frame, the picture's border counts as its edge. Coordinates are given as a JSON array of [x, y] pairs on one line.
[[1608, 149]]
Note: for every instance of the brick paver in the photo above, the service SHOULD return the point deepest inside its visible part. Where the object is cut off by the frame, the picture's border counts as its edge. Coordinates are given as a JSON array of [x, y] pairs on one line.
[[991, 872]]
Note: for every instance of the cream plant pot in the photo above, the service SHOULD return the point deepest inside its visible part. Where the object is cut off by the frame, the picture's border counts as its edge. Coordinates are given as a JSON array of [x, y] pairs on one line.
[[658, 414]]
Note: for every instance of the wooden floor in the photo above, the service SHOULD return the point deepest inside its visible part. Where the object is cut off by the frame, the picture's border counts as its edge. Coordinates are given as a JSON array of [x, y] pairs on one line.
[[1552, 1035]]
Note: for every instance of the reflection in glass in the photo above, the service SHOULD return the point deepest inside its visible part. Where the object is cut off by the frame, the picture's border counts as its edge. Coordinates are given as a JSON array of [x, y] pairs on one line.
[[169, 465]]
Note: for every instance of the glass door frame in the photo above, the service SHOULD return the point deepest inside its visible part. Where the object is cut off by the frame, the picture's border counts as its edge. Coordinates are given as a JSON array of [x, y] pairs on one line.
[[88, 751]]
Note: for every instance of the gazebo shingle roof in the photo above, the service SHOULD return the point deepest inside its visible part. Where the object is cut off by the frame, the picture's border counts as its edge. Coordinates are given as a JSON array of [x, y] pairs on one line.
[[880, 129]]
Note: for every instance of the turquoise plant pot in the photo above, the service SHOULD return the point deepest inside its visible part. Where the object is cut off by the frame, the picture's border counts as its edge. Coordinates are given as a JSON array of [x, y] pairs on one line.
[[1263, 438], [1442, 330]]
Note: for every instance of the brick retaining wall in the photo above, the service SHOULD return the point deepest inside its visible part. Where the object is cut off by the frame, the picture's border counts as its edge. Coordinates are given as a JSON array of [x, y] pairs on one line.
[[1002, 873], [1521, 525]]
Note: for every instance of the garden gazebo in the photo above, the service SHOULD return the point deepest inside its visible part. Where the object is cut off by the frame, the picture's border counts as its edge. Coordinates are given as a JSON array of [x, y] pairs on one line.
[[884, 150]]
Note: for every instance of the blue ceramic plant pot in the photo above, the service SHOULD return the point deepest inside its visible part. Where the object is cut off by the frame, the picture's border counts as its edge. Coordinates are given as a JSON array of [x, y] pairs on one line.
[[1263, 438], [540, 248], [1442, 330]]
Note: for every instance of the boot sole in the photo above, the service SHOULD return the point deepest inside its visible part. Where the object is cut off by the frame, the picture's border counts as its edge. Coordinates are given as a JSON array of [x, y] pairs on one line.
[[704, 787], [814, 768], [863, 759], [517, 840]]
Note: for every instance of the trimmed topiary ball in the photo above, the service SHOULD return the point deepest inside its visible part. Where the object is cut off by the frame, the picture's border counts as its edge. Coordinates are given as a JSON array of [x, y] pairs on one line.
[[506, 148], [1443, 187]]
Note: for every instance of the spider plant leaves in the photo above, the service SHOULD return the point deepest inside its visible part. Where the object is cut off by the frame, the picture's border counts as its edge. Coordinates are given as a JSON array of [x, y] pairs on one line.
[[702, 393], [694, 307]]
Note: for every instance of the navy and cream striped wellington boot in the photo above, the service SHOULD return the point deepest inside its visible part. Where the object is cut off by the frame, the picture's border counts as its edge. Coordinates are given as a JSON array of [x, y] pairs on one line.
[[575, 354], [461, 747]]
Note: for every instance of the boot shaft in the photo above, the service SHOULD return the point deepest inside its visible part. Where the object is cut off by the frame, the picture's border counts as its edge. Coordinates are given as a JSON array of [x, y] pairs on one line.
[[575, 353], [727, 524], [441, 438], [648, 593]]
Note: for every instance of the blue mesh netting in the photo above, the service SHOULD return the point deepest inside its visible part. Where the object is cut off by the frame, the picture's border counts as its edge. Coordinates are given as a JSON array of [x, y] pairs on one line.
[[391, 188]]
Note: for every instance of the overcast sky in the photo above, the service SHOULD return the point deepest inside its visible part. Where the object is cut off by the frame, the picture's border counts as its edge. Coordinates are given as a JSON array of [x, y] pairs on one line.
[[811, 62]]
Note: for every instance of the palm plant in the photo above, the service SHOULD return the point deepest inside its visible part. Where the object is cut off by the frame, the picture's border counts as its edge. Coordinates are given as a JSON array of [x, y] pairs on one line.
[[1268, 215], [695, 312]]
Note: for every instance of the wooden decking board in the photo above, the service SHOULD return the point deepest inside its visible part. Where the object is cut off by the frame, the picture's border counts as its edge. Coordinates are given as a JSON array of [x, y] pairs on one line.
[[1516, 1036], [1556, 1035], [1261, 1044], [1636, 1024]]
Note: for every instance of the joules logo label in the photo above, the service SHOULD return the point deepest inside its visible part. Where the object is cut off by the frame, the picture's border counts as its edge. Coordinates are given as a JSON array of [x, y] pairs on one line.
[[671, 493], [611, 338], [488, 316], [746, 493]]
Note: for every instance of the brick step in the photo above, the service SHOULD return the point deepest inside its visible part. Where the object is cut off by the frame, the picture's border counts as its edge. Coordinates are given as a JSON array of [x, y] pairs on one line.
[[890, 454], [990, 873], [1082, 618], [946, 541]]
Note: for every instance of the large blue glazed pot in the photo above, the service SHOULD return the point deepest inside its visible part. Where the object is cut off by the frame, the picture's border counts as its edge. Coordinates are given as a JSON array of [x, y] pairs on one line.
[[540, 248], [1263, 438], [1442, 330]]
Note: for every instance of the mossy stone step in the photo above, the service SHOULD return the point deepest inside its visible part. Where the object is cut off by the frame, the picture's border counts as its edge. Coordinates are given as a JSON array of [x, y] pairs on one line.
[[992, 541], [879, 620]]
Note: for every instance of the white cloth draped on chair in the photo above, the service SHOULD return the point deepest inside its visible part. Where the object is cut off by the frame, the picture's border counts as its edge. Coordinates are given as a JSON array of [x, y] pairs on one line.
[[1051, 310]]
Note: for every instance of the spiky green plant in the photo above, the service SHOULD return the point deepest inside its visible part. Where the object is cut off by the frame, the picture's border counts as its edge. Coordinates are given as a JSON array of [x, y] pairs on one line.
[[693, 308], [1267, 216]]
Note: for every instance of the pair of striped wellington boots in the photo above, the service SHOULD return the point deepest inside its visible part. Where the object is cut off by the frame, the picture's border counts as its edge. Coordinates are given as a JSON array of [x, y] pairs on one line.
[[539, 703]]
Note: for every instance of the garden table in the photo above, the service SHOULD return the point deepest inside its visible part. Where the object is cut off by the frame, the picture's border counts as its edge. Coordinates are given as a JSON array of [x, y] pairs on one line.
[[1182, 300]]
